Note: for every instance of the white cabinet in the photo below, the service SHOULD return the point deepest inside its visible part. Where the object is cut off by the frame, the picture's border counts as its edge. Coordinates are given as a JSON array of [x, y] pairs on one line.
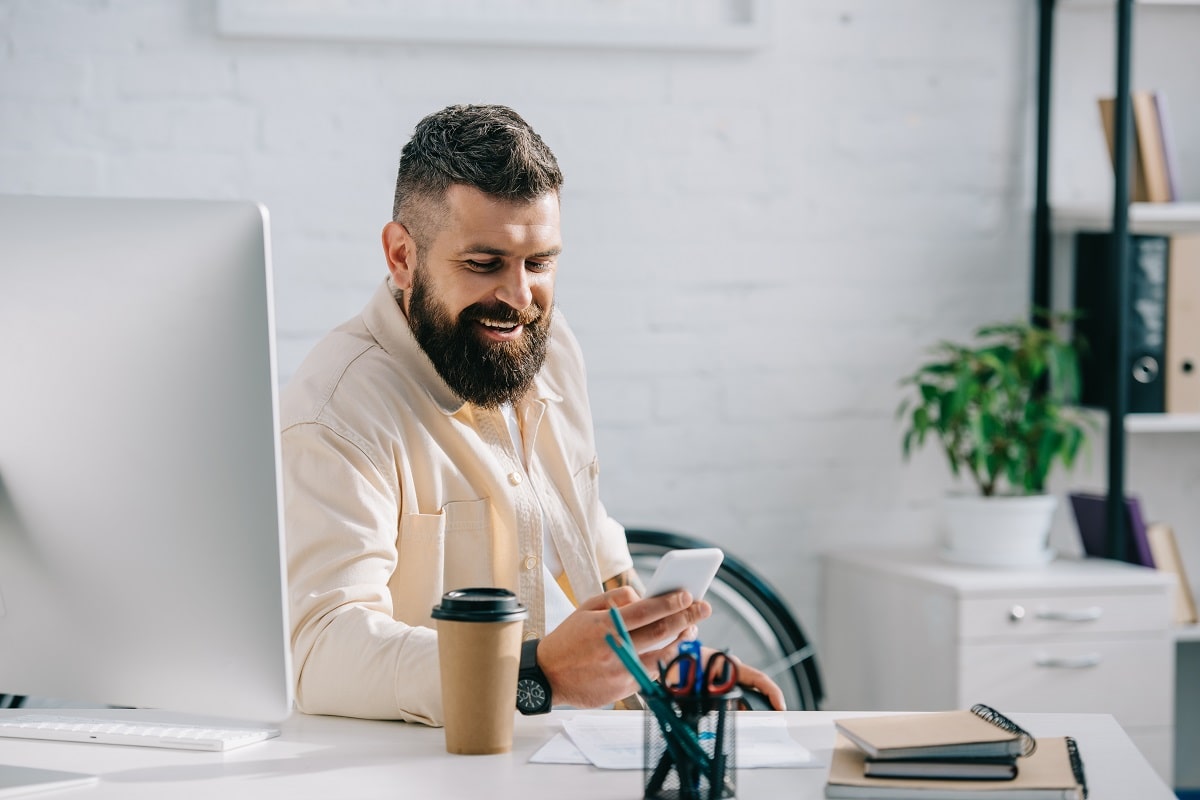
[[903, 630]]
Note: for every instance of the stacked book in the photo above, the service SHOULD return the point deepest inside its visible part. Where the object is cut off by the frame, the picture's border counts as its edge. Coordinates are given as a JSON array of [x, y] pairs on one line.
[[951, 754]]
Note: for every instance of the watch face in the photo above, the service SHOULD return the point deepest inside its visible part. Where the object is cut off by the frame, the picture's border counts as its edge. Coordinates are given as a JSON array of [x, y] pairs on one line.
[[531, 696]]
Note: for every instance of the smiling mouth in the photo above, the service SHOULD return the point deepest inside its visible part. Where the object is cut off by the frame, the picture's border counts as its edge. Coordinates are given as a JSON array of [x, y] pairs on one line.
[[499, 325], [498, 331]]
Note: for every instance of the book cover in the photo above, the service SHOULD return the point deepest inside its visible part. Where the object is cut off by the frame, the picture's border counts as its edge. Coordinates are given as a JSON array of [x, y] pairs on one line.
[[965, 769], [1145, 336], [1091, 516], [1053, 772], [978, 733], [1183, 325], [1167, 134], [1137, 180], [1150, 147], [1166, 555]]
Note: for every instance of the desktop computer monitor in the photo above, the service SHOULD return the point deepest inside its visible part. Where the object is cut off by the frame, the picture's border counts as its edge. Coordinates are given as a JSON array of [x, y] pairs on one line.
[[141, 540]]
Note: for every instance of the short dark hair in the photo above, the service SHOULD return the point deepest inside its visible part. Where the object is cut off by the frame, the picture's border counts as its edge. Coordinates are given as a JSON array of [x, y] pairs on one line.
[[488, 147]]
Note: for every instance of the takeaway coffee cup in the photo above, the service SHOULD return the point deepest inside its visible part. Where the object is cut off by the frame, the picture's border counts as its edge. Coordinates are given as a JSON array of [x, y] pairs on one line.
[[479, 649]]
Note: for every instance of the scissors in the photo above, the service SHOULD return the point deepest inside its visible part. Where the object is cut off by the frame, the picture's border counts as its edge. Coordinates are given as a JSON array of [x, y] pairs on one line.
[[718, 676]]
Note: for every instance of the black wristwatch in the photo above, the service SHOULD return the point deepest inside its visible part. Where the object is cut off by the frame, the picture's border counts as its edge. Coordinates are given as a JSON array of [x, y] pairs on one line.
[[533, 690]]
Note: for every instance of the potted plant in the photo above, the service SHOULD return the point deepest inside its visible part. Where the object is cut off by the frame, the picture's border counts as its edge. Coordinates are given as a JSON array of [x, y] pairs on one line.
[[1003, 408]]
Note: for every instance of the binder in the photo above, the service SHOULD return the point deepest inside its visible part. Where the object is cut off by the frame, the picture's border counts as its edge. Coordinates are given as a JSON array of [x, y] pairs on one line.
[[1091, 515], [1146, 332], [1183, 325]]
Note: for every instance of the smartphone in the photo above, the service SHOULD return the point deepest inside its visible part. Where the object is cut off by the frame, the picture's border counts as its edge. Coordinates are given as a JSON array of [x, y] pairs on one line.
[[691, 569]]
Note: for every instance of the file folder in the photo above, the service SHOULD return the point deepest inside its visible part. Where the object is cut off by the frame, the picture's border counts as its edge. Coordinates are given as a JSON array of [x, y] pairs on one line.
[[1183, 325]]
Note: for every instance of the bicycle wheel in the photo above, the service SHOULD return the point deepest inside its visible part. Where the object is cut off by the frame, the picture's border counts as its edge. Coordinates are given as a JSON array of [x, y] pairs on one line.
[[749, 618]]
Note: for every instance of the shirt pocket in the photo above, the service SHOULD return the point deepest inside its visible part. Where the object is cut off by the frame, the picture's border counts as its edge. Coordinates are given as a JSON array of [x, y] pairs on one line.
[[586, 482], [416, 583], [438, 552], [469, 545]]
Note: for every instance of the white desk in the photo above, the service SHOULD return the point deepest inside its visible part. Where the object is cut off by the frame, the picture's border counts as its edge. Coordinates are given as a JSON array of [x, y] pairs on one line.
[[329, 757]]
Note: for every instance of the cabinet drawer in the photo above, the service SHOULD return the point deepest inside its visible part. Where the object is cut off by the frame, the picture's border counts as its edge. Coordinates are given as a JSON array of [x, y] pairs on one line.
[[1019, 615], [1129, 677]]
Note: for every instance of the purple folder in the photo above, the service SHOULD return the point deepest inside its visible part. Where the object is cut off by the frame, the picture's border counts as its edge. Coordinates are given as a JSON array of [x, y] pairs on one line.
[[1091, 516]]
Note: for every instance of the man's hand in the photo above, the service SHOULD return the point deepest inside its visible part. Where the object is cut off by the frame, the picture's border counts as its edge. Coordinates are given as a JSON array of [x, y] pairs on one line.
[[757, 680], [584, 671]]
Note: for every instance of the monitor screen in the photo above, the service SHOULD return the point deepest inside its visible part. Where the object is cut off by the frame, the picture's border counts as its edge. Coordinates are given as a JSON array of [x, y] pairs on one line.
[[141, 540]]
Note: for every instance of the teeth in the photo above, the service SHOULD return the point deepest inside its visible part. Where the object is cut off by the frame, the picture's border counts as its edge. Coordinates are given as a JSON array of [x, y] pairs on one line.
[[491, 323]]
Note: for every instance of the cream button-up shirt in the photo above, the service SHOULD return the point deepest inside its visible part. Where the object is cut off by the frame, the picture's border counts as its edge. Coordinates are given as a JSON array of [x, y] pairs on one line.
[[395, 490]]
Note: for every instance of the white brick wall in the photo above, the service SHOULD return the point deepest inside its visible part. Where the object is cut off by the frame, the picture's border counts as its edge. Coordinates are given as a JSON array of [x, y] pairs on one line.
[[758, 244]]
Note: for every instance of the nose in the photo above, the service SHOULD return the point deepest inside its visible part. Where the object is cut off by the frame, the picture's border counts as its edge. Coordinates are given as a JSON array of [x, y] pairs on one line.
[[514, 289]]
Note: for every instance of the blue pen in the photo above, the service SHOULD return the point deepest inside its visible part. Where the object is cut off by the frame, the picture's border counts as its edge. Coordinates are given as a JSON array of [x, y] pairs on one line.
[[691, 649]]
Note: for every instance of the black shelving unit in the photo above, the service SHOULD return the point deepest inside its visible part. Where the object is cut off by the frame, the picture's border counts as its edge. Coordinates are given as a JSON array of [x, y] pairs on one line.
[[1042, 266]]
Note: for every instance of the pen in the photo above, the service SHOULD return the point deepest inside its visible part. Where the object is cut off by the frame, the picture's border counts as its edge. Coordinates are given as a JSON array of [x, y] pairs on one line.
[[679, 737]]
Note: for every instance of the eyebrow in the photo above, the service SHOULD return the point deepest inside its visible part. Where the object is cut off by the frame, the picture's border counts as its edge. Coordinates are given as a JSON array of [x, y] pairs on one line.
[[499, 251]]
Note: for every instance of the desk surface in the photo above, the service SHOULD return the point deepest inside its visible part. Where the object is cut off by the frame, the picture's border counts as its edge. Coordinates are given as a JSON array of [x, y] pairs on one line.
[[325, 757]]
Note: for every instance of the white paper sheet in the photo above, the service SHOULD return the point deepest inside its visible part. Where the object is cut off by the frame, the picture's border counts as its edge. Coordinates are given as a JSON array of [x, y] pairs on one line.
[[614, 741]]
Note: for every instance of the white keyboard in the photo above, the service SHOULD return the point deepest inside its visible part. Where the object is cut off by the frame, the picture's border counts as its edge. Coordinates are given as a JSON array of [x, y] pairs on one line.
[[57, 727]]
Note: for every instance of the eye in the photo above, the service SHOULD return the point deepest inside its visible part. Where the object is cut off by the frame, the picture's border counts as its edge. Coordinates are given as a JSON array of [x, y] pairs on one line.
[[539, 266], [483, 266]]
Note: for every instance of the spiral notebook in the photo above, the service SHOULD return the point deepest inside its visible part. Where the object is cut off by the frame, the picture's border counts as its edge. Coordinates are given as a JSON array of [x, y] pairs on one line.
[[1053, 772], [981, 732]]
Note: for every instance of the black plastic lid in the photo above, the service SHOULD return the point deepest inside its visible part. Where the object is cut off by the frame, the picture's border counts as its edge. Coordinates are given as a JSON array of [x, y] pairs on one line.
[[482, 604]]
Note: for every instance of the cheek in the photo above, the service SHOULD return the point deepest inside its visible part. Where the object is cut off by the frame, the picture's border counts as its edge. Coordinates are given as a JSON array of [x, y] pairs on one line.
[[543, 292]]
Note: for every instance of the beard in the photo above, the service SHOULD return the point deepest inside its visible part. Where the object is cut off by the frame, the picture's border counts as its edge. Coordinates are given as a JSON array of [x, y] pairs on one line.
[[488, 374]]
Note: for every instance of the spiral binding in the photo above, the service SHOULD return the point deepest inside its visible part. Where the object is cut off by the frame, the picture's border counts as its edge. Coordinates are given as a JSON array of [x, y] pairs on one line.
[[1077, 765], [989, 714]]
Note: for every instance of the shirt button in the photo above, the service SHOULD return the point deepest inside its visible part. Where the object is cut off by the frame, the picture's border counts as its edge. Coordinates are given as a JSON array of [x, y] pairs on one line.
[[514, 478], [530, 562]]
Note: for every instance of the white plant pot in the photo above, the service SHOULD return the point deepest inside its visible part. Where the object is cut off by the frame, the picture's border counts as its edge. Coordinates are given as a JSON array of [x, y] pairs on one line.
[[998, 531]]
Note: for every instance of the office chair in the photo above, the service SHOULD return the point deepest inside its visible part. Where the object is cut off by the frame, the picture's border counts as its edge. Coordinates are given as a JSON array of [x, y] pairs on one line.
[[749, 618]]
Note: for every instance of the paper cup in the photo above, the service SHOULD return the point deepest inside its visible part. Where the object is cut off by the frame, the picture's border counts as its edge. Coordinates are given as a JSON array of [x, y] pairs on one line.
[[479, 651]]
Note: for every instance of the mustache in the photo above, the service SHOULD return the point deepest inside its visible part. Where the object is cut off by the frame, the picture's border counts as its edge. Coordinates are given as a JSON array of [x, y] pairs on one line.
[[502, 312]]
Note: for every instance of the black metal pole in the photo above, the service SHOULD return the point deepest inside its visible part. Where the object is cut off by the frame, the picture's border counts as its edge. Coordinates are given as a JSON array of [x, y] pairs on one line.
[[1041, 291], [1119, 402]]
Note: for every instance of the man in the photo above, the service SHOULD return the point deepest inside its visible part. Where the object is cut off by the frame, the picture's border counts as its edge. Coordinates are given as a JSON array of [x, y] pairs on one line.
[[442, 439]]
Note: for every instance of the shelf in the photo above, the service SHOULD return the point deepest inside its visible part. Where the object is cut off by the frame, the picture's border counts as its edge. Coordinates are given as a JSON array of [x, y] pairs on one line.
[[1162, 423], [1150, 218], [1111, 3], [1149, 423], [1186, 633]]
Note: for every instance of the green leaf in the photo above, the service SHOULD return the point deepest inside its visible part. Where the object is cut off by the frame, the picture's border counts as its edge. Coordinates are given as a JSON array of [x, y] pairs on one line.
[[997, 403]]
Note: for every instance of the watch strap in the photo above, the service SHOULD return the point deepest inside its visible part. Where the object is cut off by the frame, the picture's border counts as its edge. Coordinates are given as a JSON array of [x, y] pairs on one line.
[[529, 670]]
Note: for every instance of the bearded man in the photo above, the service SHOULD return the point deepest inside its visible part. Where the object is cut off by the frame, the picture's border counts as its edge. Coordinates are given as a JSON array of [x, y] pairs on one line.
[[442, 439]]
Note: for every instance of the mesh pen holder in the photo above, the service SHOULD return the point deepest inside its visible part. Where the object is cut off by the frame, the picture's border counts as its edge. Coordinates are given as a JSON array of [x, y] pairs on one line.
[[670, 769]]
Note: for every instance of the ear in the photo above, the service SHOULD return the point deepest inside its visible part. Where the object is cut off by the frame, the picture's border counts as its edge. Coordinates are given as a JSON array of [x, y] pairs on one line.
[[401, 253]]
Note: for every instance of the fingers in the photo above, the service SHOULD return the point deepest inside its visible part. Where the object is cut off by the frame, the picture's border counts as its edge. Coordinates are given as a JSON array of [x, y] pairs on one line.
[[620, 596], [652, 609], [758, 680], [662, 652], [661, 631]]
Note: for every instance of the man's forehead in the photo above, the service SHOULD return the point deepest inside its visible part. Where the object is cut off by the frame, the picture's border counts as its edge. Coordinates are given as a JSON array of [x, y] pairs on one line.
[[482, 223]]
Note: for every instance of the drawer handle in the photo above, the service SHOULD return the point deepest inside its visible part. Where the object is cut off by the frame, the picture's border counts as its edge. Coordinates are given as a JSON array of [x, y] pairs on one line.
[[1086, 661], [1090, 614]]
